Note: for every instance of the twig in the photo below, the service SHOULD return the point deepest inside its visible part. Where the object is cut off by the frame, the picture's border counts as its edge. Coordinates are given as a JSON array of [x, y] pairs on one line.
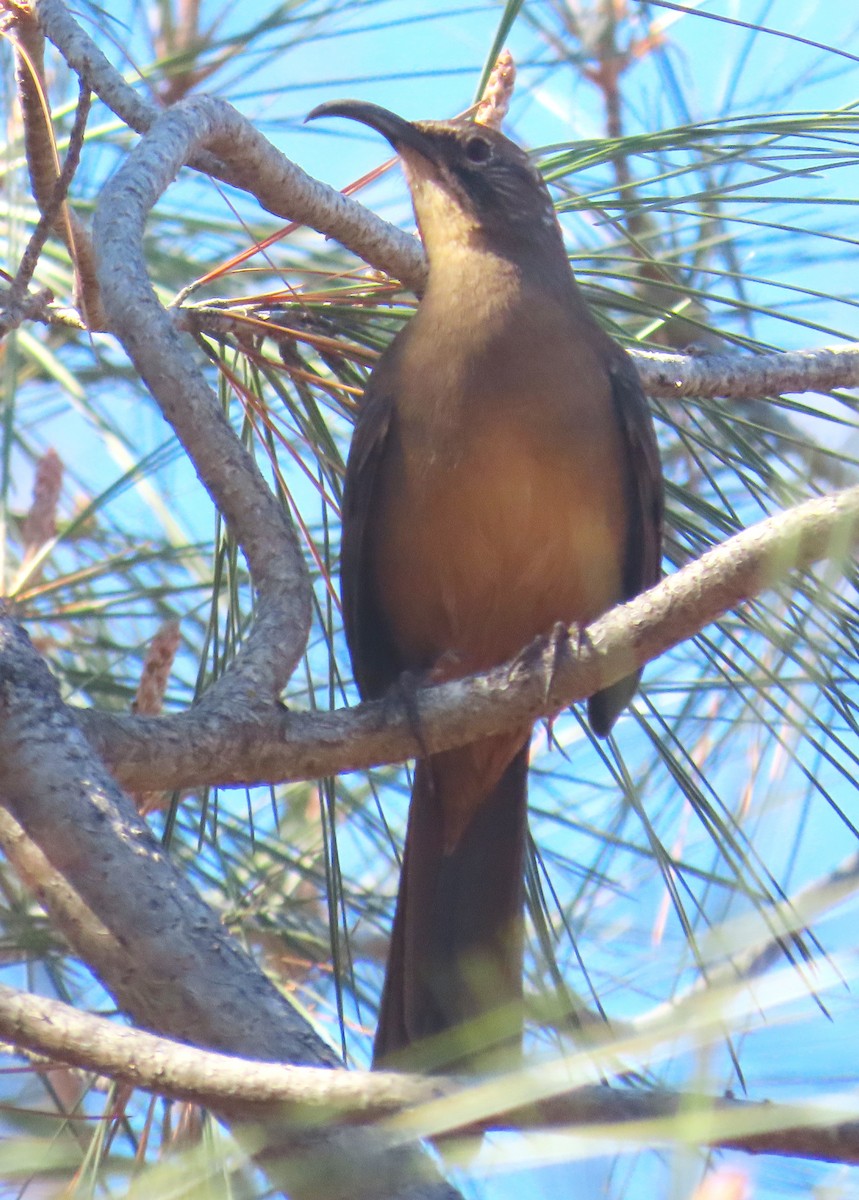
[[48, 183], [50, 212]]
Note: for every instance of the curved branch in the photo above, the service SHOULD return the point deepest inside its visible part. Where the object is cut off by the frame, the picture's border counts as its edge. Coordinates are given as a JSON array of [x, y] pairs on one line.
[[180, 752], [89, 64], [165, 360], [242, 157]]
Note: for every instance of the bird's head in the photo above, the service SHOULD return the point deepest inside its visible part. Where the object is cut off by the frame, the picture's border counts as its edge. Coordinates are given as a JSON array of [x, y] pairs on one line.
[[470, 184]]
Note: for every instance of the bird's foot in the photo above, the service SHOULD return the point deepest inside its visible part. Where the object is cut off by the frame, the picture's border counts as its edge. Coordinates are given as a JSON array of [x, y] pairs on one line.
[[407, 688], [405, 692], [447, 666], [546, 653]]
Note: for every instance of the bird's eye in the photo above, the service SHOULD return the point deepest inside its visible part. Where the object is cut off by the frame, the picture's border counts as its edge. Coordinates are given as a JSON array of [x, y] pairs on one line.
[[477, 150]]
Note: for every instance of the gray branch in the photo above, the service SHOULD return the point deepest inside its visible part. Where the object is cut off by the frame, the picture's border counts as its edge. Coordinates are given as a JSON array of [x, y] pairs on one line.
[[111, 889], [189, 979], [166, 361], [241, 156], [161, 753], [748, 376]]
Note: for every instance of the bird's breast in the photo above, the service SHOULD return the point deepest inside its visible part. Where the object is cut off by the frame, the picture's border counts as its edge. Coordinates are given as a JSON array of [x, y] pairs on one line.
[[489, 531]]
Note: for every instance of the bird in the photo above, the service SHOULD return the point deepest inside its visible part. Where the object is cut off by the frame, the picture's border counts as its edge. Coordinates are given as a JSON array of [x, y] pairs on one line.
[[503, 476]]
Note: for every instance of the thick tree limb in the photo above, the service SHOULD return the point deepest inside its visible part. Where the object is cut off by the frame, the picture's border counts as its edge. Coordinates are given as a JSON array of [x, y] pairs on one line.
[[110, 888], [189, 979]]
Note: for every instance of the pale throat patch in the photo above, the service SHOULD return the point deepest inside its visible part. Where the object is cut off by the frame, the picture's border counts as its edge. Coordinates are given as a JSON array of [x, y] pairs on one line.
[[441, 219]]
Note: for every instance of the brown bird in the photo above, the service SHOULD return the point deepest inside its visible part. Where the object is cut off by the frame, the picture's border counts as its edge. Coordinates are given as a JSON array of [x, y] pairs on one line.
[[503, 476]]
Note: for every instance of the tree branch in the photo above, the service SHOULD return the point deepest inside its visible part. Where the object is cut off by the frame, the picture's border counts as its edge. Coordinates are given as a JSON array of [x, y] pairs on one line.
[[51, 206], [48, 183], [108, 886], [286, 191], [180, 751], [165, 361], [308, 1097], [190, 980], [746, 376], [242, 158]]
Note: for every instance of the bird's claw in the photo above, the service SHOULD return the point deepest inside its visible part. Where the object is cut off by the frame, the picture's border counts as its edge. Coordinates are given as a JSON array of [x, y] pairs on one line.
[[546, 651]]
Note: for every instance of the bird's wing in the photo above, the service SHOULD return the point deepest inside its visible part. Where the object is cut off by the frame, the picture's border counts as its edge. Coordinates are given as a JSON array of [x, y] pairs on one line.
[[643, 475], [642, 563], [375, 662]]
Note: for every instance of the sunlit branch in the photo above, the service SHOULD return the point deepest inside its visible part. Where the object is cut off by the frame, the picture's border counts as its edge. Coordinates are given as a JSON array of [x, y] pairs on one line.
[[179, 751], [310, 1097]]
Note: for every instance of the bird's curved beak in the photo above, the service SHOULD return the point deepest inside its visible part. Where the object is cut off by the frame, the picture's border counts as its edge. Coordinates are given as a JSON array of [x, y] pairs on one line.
[[399, 132]]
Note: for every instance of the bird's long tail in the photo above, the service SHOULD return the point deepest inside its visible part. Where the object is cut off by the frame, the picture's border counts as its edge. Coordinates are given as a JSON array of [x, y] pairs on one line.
[[452, 997]]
